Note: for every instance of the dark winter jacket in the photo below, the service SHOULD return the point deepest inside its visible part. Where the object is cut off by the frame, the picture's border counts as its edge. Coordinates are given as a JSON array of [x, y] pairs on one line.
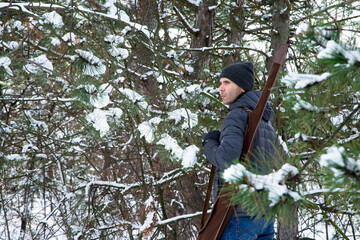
[[227, 150]]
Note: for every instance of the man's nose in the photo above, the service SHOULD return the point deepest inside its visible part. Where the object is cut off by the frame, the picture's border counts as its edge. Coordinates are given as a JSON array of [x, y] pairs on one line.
[[221, 88]]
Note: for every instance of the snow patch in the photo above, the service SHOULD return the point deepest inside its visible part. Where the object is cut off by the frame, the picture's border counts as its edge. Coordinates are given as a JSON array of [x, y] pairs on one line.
[[185, 92], [119, 53], [114, 39], [55, 41], [303, 104]]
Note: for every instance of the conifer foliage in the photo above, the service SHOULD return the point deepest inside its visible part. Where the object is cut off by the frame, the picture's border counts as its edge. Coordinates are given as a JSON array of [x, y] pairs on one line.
[[104, 104]]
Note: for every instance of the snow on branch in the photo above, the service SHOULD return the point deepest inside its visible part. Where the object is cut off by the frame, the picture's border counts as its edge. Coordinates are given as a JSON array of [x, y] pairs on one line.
[[134, 97], [5, 63], [93, 65], [44, 49], [316, 192], [301, 104], [167, 177], [122, 16], [37, 99], [20, 6], [147, 129], [332, 48], [191, 29], [190, 118], [177, 218], [187, 156], [299, 81], [39, 63], [339, 163], [125, 187], [273, 182], [13, 5]]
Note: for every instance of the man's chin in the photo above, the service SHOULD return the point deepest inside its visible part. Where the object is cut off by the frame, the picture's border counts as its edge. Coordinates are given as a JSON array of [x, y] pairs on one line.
[[226, 102]]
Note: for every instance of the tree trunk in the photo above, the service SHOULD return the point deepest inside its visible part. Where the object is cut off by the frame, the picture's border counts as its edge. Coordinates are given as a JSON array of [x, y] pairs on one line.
[[205, 18], [280, 34], [281, 27], [288, 231], [236, 34]]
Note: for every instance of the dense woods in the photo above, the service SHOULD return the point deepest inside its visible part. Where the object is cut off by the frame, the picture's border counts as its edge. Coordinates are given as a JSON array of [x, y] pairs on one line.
[[104, 104]]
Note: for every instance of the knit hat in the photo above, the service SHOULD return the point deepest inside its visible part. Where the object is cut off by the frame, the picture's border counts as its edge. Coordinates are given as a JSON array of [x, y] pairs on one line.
[[240, 73]]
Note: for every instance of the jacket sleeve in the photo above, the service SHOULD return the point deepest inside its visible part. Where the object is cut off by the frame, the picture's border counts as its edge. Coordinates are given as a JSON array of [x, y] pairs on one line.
[[223, 154]]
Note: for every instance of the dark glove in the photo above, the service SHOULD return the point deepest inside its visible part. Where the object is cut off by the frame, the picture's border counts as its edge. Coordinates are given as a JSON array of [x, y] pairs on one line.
[[214, 134]]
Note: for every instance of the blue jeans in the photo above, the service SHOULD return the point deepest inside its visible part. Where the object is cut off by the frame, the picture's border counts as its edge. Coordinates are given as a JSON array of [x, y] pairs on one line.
[[246, 228]]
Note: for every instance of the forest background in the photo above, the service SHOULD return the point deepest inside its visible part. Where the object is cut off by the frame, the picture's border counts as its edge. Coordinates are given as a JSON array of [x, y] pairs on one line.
[[104, 104]]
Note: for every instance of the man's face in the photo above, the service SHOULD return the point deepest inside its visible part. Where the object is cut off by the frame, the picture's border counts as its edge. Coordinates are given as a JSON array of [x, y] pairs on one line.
[[229, 91]]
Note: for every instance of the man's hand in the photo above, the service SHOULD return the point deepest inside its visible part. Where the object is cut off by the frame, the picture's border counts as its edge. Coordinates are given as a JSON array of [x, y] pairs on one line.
[[214, 134]]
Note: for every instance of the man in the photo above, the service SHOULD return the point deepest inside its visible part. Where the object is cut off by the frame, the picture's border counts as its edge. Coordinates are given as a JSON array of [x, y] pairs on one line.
[[223, 147]]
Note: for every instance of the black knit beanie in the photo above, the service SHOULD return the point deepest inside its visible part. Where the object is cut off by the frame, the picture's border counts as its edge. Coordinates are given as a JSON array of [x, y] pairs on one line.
[[240, 73]]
